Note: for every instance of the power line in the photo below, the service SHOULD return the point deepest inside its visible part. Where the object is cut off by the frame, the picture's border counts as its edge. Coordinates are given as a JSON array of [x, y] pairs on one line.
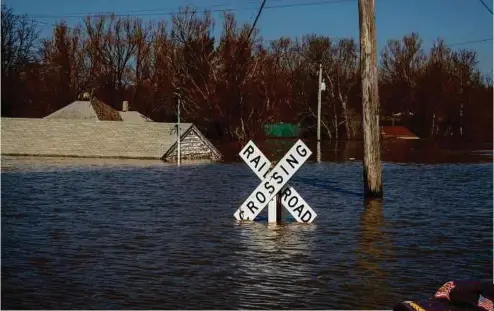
[[470, 42], [485, 5], [267, 7], [279, 6], [40, 22], [99, 13]]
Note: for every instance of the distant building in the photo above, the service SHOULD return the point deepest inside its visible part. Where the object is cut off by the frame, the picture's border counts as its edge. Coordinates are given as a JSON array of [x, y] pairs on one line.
[[281, 130], [400, 132], [88, 129]]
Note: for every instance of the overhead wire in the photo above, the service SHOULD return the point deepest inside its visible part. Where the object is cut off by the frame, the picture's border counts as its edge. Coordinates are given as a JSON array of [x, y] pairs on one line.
[[278, 6], [35, 17], [470, 42], [84, 14], [486, 7]]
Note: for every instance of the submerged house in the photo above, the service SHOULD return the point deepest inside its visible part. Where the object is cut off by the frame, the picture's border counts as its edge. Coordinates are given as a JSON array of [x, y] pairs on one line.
[[86, 110], [400, 132], [392, 126], [94, 129]]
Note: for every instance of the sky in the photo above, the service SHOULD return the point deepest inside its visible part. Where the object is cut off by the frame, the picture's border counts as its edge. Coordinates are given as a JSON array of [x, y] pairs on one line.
[[458, 22]]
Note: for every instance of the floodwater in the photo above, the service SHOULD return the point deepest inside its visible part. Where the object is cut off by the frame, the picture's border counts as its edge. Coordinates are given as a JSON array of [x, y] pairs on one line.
[[127, 234]]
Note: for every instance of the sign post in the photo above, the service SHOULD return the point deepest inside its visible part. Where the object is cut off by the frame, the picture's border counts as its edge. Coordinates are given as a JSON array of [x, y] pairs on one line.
[[273, 210], [273, 186], [178, 131]]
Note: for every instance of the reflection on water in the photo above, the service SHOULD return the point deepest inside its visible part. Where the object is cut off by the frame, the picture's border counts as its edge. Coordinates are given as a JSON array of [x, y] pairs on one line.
[[374, 252], [11, 163], [271, 253], [318, 151], [392, 150], [84, 234], [371, 237]]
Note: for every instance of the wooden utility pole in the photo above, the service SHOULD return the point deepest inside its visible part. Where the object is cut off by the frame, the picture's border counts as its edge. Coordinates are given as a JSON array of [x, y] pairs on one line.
[[370, 100], [319, 104]]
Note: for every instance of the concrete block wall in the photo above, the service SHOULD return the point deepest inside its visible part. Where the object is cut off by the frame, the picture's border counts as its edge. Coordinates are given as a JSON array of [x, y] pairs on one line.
[[82, 138]]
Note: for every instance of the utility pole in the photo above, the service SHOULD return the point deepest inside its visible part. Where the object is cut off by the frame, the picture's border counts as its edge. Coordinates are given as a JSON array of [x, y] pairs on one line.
[[319, 90], [179, 102], [370, 100]]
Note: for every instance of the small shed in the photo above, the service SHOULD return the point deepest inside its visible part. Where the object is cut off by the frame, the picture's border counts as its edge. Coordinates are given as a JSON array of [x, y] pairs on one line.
[[400, 132], [281, 130]]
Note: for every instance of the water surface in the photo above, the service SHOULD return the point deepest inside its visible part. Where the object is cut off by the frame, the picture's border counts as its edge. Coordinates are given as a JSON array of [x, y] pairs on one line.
[[126, 234]]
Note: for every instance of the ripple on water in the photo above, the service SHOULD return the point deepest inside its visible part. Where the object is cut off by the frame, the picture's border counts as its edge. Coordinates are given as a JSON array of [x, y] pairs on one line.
[[155, 237]]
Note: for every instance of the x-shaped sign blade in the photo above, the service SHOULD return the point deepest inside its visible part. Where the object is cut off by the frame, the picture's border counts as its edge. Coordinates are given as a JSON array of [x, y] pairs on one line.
[[290, 198]]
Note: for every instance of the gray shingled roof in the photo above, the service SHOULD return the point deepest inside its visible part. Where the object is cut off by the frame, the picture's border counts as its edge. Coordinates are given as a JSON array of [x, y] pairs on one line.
[[133, 116], [86, 110], [83, 138]]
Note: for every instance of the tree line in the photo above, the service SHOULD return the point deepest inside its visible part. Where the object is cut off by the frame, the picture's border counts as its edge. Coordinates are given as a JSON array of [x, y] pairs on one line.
[[232, 85]]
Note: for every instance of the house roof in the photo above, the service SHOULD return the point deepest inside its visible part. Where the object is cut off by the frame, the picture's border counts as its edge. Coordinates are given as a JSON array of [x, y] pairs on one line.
[[86, 110], [84, 138], [397, 131], [133, 116], [76, 110]]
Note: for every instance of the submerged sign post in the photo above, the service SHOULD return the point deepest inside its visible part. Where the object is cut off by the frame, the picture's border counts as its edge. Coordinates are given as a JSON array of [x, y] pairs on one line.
[[274, 182]]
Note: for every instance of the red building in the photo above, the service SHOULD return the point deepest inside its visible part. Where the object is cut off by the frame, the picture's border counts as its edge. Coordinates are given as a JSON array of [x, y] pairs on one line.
[[399, 132]]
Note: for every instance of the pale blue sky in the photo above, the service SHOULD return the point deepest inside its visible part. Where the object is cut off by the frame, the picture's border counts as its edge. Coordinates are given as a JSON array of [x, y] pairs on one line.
[[457, 21]]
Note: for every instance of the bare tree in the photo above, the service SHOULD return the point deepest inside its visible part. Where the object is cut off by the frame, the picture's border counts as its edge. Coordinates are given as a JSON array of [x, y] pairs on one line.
[[239, 68], [113, 44], [19, 38], [232, 88], [402, 63], [314, 50], [342, 76], [193, 59], [142, 39], [19, 43], [63, 65]]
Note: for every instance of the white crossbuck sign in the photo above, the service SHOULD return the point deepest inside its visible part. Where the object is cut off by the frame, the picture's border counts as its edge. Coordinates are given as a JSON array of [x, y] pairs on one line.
[[275, 180]]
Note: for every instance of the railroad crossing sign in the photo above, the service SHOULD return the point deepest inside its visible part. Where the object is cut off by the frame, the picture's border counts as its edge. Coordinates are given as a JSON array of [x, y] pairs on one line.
[[275, 181]]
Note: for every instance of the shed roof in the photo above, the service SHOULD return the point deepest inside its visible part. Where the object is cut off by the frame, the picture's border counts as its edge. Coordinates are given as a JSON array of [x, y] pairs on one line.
[[397, 131]]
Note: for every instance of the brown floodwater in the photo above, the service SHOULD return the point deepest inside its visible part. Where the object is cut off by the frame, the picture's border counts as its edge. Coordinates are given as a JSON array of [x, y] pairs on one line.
[[392, 150], [132, 234]]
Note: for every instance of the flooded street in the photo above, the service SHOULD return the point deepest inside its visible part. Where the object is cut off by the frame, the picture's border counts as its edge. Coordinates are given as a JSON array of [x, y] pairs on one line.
[[129, 234]]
